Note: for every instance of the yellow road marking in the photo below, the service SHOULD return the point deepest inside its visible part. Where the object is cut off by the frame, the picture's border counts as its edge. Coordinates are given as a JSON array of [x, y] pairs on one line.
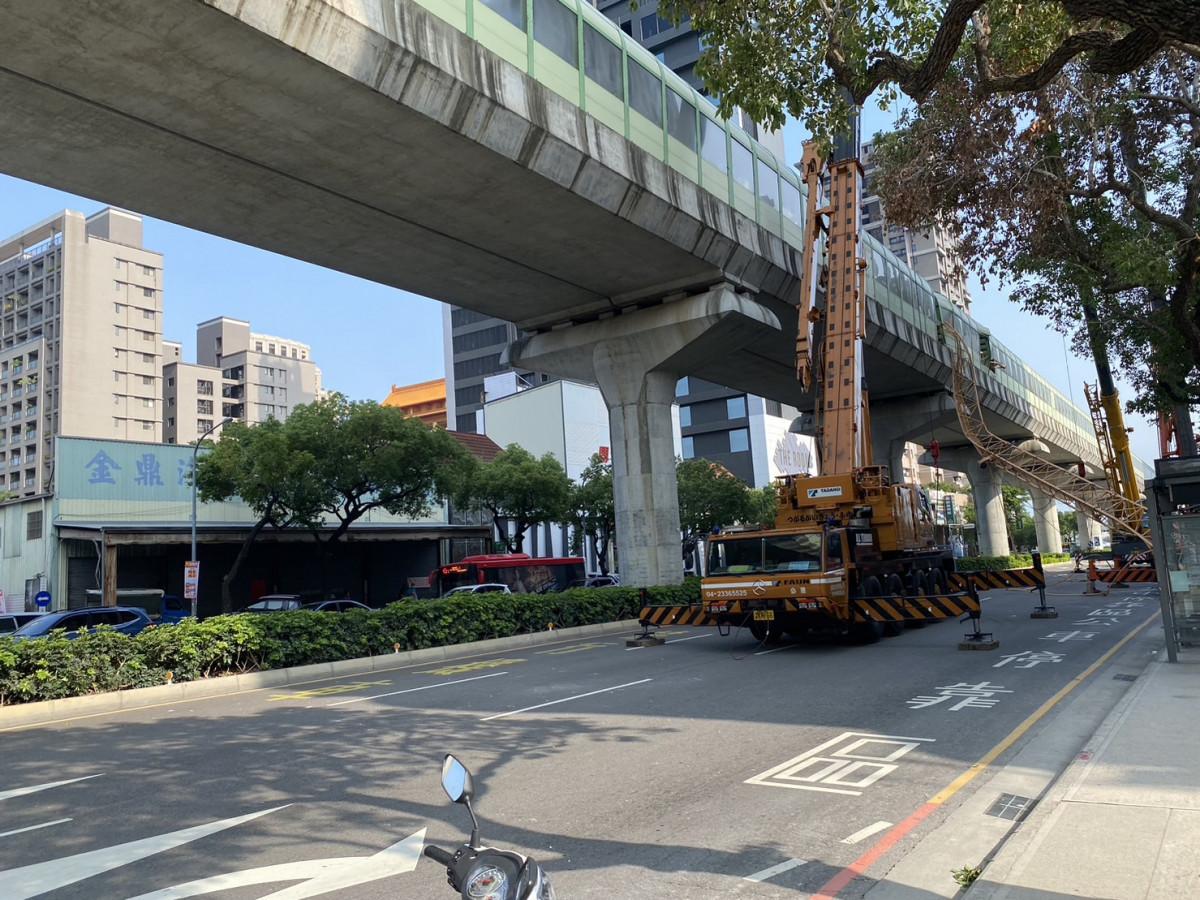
[[328, 691], [472, 667], [574, 648]]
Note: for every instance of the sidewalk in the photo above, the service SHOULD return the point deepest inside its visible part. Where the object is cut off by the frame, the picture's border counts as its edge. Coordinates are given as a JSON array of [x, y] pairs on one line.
[[1121, 821]]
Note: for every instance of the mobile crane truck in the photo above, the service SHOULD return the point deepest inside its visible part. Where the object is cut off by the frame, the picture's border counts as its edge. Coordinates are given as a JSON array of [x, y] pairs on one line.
[[849, 551]]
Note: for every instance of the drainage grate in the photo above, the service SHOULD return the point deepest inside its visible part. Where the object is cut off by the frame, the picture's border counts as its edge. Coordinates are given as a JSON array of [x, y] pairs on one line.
[[1124, 678], [1010, 806]]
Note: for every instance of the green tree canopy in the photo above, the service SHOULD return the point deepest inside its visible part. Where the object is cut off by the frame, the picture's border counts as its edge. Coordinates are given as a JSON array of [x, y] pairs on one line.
[[334, 458], [1085, 194], [594, 508], [368, 456], [710, 496], [259, 466], [814, 61], [520, 489]]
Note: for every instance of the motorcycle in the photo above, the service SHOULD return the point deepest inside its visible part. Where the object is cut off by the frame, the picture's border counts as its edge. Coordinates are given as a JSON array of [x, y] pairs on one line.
[[485, 873]]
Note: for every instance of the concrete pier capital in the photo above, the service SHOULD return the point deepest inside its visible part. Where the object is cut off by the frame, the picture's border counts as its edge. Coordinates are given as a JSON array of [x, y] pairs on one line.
[[636, 359]]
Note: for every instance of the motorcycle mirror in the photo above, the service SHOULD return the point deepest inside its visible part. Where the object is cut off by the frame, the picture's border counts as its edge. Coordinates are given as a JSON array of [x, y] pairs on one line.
[[456, 780]]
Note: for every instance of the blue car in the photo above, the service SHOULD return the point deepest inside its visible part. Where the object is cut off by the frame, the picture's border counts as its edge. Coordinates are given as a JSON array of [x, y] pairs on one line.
[[128, 620]]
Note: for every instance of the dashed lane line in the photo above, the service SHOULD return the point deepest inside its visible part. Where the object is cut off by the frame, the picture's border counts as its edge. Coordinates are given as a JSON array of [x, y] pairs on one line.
[[784, 866], [425, 687], [866, 832], [566, 699]]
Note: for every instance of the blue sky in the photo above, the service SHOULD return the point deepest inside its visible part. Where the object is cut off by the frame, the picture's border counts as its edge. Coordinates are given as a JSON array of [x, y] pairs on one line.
[[366, 337]]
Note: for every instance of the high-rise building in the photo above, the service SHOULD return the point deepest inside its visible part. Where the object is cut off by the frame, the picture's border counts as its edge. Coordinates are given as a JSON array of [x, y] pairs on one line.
[[80, 340], [931, 254], [237, 374]]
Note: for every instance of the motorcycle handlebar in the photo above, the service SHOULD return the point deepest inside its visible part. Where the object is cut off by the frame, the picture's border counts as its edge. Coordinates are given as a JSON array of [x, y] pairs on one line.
[[437, 854]]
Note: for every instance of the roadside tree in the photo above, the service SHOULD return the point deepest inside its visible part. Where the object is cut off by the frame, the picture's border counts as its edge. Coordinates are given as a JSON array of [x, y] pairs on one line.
[[519, 490], [594, 510], [710, 496], [257, 465]]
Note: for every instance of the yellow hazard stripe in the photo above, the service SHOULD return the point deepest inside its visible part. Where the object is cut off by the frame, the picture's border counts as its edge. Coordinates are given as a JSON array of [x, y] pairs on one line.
[[674, 615], [899, 609], [1122, 576], [1004, 578]]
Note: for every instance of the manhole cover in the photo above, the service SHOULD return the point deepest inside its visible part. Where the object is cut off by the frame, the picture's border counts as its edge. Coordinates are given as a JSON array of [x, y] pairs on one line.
[[1010, 806], [1124, 678]]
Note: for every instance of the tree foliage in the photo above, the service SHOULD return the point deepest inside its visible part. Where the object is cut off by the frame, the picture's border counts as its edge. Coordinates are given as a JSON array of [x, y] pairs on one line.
[[594, 508], [814, 60], [1086, 194], [332, 459], [518, 489], [367, 456], [710, 496]]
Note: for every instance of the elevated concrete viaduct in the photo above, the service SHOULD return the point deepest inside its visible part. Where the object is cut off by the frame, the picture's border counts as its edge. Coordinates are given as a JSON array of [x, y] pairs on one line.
[[380, 138]]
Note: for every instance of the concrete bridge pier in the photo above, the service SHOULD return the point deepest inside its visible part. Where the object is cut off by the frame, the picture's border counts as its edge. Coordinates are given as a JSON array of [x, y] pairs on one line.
[[1089, 529], [1045, 520], [991, 532], [637, 358]]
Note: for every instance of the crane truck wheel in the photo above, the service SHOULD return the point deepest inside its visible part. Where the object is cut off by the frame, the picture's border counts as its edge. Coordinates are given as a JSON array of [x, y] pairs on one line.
[[893, 588], [870, 631], [765, 632], [937, 584], [920, 587]]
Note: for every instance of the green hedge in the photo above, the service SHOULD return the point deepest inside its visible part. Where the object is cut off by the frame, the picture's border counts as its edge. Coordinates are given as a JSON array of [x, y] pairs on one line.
[[53, 668], [999, 563]]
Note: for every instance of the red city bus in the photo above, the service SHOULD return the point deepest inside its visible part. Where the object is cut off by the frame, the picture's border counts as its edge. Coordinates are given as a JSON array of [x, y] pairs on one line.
[[522, 573]]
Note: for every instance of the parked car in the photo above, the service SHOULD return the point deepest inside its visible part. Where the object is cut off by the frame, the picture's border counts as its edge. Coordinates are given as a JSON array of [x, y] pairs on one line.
[[10, 622], [275, 603], [598, 581], [478, 589], [174, 610], [128, 620], [335, 606]]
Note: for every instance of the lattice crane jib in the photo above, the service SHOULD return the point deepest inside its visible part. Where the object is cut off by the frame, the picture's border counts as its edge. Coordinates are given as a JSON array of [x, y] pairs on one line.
[[1112, 507]]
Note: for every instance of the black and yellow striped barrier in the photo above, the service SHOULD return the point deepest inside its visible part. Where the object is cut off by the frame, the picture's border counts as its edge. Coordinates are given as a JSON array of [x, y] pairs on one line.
[[1000, 580], [904, 609], [661, 616], [1128, 575]]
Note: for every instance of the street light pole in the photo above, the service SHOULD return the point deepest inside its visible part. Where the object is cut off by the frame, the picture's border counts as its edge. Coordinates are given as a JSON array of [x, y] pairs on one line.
[[195, 461]]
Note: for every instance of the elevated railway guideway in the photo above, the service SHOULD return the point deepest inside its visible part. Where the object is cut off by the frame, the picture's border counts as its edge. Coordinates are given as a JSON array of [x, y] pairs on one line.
[[464, 151]]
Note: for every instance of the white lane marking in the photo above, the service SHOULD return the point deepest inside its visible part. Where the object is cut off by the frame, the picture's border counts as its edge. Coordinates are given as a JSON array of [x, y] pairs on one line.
[[566, 699], [426, 687], [33, 827], [20, 792], [776, 870], [866, 832], [777, 649], [322, 876], [674, 641], [40, 878]]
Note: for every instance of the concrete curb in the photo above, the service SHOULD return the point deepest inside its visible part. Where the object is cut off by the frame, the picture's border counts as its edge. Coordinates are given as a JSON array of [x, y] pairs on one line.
[[26, 715]]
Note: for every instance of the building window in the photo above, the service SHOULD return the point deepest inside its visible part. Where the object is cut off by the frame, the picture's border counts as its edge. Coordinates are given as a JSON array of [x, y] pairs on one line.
[[147, 379], [148, 402], [147, 314], [681, 387], [739, 440], [202, 425], [735, 407], [258, 346], [685, 416], [204, 387], [204, 406], [689, 448], [171, 422], [147, 426], [33, 525], [147, 292], [171, 381]]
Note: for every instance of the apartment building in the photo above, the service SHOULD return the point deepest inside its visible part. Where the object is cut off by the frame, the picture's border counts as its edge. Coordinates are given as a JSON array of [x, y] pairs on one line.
[[80, 340], [237, 374]]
